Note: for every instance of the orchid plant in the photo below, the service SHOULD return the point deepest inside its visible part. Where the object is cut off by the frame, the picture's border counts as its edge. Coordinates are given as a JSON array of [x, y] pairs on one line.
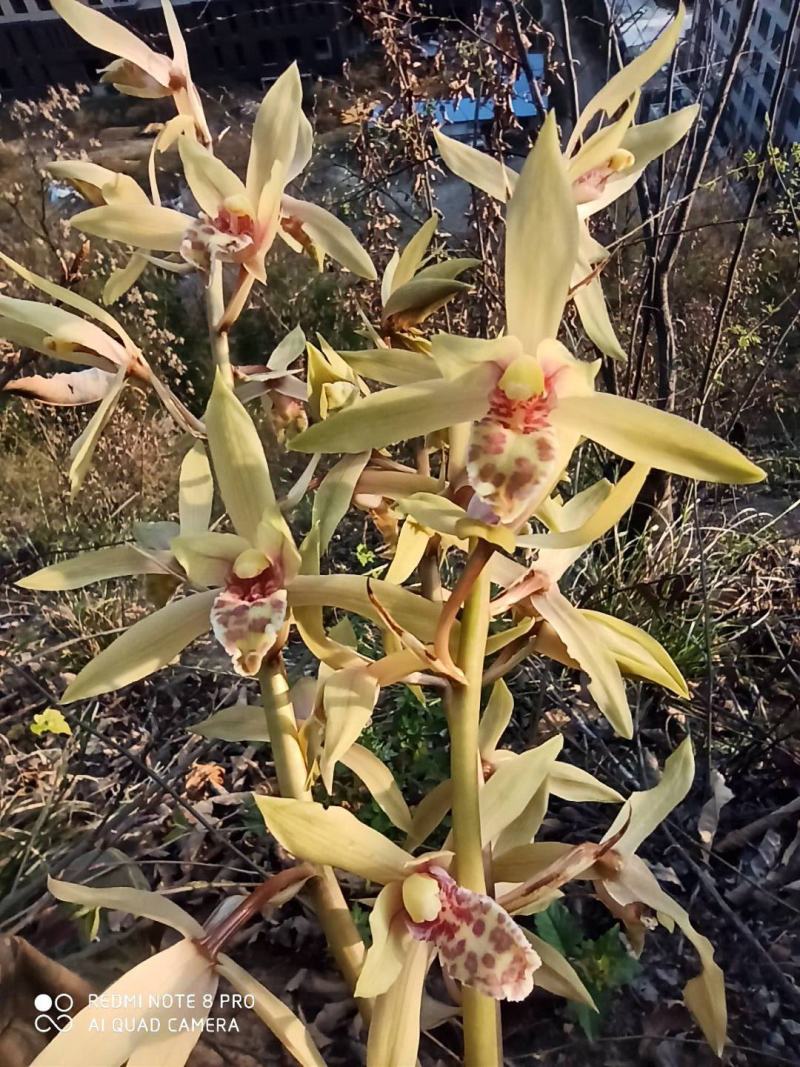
[[489, 506]]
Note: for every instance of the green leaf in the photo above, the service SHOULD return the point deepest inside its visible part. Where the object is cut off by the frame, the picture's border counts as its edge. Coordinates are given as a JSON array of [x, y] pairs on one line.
[[559, 928], [50, 721]]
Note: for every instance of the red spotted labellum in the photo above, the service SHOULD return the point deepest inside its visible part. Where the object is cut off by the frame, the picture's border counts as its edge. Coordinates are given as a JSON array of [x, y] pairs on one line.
[[478, 942]]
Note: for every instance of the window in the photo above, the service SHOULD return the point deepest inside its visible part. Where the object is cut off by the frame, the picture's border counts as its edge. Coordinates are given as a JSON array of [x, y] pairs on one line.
[[764, 24], [777, 39], [755, 61], [239, 52], [322, 48], [761, 114], [267, 50], [794, 112], [294, 47], [749, 96], [19, 7], [786, 6], [769, 77], [725, 21]]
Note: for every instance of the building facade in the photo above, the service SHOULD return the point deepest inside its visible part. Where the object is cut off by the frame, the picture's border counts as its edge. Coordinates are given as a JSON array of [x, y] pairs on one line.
[[743, 123], [228, 40]]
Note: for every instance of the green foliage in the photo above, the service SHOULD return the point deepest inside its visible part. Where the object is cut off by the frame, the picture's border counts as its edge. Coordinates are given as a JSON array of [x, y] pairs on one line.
[[603, 963], [364, 555]]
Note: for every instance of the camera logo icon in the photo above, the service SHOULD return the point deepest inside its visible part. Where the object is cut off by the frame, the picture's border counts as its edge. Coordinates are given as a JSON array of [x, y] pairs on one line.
[[53, 1013]]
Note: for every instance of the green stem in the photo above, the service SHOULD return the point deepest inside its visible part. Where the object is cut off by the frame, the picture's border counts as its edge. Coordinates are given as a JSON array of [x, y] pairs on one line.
[[337, 923], [215, 310], [481, 1020]]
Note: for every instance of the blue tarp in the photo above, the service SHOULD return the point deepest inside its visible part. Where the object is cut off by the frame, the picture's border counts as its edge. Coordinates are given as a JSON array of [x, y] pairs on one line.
[[455, 111]]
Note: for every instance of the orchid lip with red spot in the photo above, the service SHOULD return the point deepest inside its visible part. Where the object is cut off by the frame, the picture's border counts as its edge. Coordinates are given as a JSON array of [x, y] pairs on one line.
[[513, 448], [479, 944], [247, 615]]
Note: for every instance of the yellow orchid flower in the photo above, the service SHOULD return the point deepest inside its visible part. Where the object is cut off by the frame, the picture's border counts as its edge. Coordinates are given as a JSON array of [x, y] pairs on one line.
[[600, 170], [140, 70], [101, 186], [157, 1010], [528, 400], [249, 579], [283, 393], [534, 591], [513, 808], [109, 353], [477, 942], [413, 289], [625, 884], [239, 220]]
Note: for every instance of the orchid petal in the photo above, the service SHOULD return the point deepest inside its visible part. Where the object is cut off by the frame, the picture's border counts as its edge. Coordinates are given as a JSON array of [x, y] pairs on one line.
[[542, 227], [395, 1028], [83, 448], [334, 496], [579, 787], [239, 461], [593, 312], [70, 299], [413, 254], [196, 491], [646, 810], [331, 235], [109, 36], [513, 784], [385, 956], [615, 92], [609, 505], [495, 718], [705, 994], [448, 518], [658, 438], [208, 558], [30, 322], [381, 783], [397, 414], [391, 366], [333, 837], [275, 130], [138, 902], [557, 975], [605, 681], [476, 167], [348, 699], [209, 179], [429, 813], [415, 301], [411, 546], [284, 1024], [115, 562], [637, 653], [239, 722], [157, 229], [181, 969], [349, 593], [148, 645], [97, 184], [120, 281]]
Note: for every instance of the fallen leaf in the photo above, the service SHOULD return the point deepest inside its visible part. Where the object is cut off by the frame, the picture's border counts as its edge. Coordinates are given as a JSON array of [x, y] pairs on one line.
[[204, 778], [709, 816]]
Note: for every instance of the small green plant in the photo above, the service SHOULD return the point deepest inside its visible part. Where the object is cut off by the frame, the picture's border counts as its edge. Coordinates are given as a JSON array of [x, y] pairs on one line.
[[604, 963]]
